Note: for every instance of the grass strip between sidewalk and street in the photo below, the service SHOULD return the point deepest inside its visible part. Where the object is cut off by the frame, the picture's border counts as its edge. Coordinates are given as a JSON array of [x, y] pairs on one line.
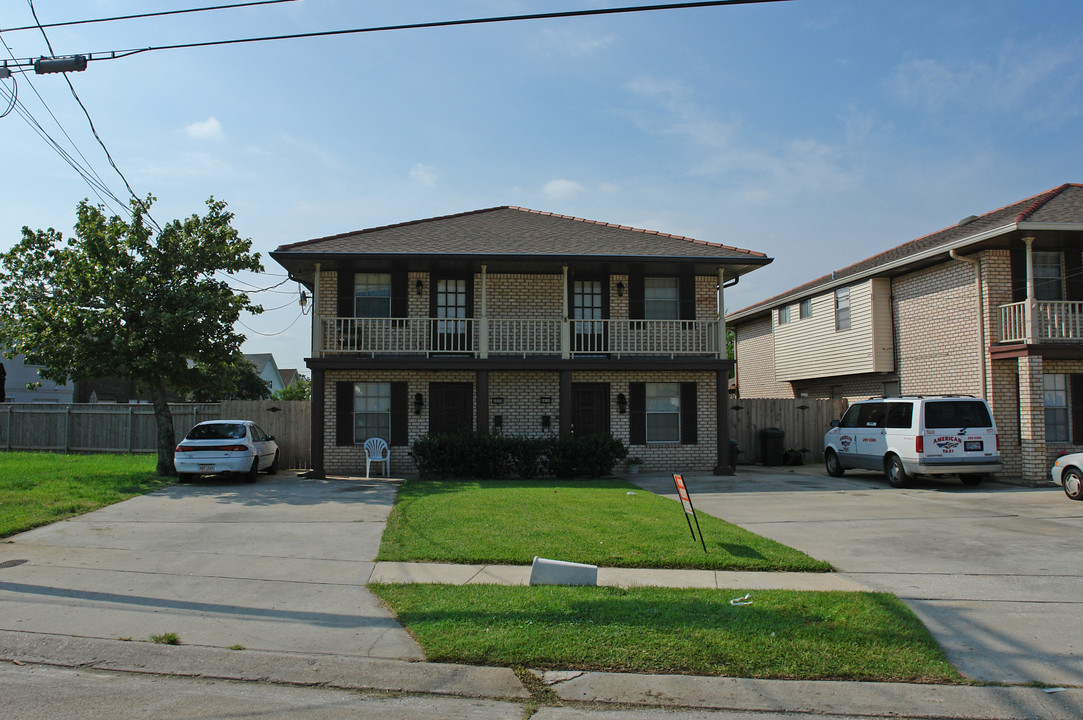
[[40, 488], [603, 522], [781, 634]]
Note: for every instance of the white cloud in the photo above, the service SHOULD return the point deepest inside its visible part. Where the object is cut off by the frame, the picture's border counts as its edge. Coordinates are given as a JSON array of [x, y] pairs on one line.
[[423, 175], [573, 43], [562, 189], [209, 129]]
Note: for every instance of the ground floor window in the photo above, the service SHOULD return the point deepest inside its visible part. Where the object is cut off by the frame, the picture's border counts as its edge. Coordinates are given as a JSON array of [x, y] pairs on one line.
[[663, 412], [372, 411], [1056, 407]]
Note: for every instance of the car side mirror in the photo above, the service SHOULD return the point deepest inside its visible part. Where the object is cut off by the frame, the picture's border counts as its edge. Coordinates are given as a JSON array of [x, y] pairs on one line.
[[835, 423], [270, 437]]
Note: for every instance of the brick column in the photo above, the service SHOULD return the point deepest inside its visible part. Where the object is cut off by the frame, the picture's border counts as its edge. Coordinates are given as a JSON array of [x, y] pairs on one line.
[[1032, 419]]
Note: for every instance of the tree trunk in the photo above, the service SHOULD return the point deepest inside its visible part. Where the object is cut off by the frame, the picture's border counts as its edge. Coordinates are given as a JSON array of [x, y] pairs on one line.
[[163, 418]]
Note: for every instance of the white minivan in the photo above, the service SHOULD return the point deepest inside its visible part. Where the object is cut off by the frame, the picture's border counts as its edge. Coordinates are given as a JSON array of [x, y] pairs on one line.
[[904, 436]]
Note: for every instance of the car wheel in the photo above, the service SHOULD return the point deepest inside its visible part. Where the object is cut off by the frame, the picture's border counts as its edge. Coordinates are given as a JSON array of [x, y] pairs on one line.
[[272, 469], [896, 473], [1072, 480], [184, 477], [972, 479], [834, 465], [252, 474]]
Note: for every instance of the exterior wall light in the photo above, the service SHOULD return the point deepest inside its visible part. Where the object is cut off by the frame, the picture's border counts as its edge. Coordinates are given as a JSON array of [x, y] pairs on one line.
[[419, 402], [419, 286], [622, 403], [620, 288]]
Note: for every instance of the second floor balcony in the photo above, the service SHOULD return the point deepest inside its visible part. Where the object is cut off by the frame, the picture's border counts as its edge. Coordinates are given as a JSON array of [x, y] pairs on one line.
[[1048, 322], [514, 337]]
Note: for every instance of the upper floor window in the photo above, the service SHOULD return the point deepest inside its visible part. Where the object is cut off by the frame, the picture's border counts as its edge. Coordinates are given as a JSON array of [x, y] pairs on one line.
[[1048, 276], [661, 299], [372, 295], [842, 309], [783, 314], [806, 308]]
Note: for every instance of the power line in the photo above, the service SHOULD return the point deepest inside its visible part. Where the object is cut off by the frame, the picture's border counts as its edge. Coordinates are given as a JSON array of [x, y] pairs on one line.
[[115, 54], [146, 15]]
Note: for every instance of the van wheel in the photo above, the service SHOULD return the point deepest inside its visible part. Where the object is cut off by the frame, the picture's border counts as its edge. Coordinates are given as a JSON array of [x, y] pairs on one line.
[[896, 473], [1073, 483], [972, 479], [834, 465]]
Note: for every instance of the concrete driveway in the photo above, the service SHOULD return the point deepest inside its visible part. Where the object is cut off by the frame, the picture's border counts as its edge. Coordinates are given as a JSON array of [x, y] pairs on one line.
[[276, 565], [995, 572]]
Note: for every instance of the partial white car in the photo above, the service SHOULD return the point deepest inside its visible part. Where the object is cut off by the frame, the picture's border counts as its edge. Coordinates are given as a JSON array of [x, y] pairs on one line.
[[219, 447], [1068, 473]]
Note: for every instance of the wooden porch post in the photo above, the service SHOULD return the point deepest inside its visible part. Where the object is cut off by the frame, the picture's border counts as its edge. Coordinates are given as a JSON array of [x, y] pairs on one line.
[[724, 463], [565, 326], [1031, 305], [317, 423], [481, 387], [483, 331], [317, 321]]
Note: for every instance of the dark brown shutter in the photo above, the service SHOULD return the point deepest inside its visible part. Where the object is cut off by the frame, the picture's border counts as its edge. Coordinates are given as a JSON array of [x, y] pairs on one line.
[[469, 277], [1076, 409], [344, 425], [689, 421], [637, 413], [605, 297], [400, 414], [636, 293], [686, 294], [1019, 274], [400, 293], [345, 293], [1073, 275]]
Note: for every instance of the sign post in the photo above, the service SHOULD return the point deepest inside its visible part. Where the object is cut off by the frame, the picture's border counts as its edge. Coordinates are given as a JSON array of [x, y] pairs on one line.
[[686, 501]]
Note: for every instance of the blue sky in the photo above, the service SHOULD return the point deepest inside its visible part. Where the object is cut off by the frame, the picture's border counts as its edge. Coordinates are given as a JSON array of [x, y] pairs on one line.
[[817, 131]]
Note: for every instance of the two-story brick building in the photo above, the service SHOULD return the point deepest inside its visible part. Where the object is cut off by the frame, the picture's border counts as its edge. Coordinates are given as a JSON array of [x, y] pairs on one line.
[[991, 307], [523, 322]]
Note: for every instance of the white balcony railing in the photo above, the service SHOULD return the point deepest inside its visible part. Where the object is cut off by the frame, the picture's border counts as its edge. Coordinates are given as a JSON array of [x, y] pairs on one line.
[[1053, 322], [486, 337]]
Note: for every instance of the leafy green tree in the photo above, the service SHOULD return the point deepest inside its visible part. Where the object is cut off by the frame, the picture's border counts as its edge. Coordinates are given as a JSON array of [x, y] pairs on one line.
[[301, 389], [244, 384], [119, 299]]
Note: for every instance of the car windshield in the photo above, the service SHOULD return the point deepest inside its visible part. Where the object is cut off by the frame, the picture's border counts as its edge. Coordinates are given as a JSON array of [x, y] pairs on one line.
[[217, 431], [957, 414]]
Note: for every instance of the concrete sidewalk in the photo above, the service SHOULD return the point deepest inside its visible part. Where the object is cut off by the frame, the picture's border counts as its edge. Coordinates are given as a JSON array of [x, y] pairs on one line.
[[279, 569]]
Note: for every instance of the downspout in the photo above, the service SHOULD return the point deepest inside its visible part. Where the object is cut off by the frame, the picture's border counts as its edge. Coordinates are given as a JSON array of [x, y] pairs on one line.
[[976, 262]]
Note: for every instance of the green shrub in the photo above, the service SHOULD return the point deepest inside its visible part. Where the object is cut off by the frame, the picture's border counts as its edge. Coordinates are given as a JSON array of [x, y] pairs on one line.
[[487, 456]]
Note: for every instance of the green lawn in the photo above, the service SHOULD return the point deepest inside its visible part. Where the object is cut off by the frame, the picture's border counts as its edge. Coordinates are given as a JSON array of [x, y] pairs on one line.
[[40, 488], [782, 634], [601, 522]]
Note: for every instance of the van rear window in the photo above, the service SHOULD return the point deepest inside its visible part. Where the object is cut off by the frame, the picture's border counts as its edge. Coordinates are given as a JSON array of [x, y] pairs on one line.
[[957, 414]]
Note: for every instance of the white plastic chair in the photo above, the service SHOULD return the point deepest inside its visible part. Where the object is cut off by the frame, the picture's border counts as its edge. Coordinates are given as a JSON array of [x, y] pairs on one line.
[[376, 450]]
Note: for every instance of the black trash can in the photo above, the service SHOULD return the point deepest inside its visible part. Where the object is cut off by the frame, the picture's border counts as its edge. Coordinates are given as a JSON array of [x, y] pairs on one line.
[[734, 452], [772, 446]]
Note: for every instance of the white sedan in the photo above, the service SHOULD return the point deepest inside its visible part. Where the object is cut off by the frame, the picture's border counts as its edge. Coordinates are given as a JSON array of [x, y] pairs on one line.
[[217, 447], [1068, 473]]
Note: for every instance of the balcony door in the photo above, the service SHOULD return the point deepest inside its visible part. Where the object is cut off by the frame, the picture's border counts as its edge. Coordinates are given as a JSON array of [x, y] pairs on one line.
[[451, 306], [589, 306]]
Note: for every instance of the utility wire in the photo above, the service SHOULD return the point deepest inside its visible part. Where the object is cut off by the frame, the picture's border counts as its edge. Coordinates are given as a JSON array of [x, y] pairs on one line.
[[90, 121], [257, 332], [115, 54], [146, 15]]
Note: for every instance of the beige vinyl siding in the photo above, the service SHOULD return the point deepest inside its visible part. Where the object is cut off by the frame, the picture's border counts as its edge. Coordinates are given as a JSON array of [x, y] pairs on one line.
[[812, 348]]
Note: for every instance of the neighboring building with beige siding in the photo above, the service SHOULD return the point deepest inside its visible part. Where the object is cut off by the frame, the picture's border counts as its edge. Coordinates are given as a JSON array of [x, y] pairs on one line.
[[513, 321], [991, 307]]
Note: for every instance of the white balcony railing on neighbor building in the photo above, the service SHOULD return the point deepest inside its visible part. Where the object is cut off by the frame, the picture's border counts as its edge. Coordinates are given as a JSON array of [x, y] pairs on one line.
[[485, 337], [1052, 322]]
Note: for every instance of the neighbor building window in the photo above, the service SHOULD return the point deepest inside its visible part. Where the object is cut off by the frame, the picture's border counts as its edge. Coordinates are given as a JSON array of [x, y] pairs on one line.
[[661, 300], [783, 314], [806, 308], [1048, 276], [842, 309], [372, 295], [372, 411], [1056, 407], [663, 412]]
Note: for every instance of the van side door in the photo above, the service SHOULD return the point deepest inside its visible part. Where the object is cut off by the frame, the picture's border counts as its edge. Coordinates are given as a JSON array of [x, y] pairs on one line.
[[869, 436]]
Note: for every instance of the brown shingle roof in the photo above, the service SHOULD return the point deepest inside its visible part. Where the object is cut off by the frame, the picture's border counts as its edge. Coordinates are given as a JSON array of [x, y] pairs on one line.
[[509, 231], [1063, 204]]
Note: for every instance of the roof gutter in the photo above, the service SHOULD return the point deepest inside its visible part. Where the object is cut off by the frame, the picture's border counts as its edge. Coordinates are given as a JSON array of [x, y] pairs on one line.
[[879, 269]]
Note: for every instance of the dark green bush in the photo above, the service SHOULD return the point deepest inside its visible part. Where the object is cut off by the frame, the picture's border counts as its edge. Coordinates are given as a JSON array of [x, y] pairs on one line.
[[488, 457]]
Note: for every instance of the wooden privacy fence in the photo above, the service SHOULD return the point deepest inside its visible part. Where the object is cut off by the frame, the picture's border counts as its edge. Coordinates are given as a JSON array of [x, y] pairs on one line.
[[105, 428], [802, 420]]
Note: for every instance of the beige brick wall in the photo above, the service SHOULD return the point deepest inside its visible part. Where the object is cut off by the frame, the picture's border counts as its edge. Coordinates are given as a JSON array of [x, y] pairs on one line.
[[522, 407], [755, 350]]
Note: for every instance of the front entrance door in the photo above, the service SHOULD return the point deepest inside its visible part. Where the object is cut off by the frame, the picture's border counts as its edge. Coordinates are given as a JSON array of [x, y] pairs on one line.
[[451, 408], [590, 408]]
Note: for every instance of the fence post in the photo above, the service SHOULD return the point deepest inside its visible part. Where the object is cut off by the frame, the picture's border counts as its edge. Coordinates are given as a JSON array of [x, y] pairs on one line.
[[131, 429], [10, 409], [67, 429]]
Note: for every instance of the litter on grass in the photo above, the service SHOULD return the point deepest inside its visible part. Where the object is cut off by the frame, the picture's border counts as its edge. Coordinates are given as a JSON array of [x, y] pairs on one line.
[[745, 600]]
